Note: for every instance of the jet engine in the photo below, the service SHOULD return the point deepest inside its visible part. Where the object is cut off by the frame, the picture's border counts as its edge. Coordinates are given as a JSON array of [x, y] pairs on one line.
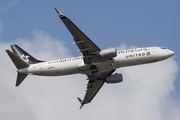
[[115, 78], [108, 53]]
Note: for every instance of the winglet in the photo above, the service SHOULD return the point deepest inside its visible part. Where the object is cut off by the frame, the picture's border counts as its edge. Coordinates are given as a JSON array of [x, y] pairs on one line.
[[81, 102], [59, 13]]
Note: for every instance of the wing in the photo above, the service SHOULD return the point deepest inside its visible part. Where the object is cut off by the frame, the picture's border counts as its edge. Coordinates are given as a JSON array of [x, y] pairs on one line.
[[85, 45], [93, 86]]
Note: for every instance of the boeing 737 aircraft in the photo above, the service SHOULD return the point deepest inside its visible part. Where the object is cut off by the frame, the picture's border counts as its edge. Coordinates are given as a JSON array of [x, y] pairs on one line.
[[99, 65]]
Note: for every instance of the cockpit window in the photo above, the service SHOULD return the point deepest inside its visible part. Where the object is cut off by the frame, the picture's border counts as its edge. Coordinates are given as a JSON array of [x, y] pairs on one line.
[[163, 48]]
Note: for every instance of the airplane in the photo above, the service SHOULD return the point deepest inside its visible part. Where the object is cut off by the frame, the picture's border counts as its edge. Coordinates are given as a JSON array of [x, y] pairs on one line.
[[99, 65]]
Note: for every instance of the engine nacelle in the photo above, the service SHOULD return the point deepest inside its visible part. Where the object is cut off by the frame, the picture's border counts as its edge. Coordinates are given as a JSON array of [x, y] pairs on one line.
[[115, 78], [108, 53]]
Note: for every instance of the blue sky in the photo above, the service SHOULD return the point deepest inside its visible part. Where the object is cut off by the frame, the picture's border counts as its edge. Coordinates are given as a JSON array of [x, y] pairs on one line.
[[141, 23]]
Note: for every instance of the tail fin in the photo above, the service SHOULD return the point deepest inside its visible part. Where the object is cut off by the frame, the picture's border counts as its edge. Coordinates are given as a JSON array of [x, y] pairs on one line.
[[20, 64], [24, 55]]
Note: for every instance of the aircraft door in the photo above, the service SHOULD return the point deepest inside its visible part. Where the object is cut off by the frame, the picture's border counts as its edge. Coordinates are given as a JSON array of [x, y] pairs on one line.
[[154, 49], [58, 69], [41, 68]]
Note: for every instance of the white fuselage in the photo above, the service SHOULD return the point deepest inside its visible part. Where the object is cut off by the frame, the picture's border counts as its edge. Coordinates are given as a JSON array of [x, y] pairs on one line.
[[76, 65]]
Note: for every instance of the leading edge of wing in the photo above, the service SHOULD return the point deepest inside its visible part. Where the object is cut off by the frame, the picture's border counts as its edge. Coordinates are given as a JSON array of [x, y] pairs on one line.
[[85, 45]]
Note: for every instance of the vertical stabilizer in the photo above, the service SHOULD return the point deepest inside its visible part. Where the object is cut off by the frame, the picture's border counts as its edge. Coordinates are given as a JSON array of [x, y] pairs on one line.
[[24, 55]]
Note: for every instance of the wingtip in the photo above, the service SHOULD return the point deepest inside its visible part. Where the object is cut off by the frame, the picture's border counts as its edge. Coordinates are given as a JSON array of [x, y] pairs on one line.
[[79, 99], [81, 106], [81, 102], [60, 14]]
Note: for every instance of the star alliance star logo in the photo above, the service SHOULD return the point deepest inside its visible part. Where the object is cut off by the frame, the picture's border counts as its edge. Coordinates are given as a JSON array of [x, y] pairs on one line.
[[25, 58]]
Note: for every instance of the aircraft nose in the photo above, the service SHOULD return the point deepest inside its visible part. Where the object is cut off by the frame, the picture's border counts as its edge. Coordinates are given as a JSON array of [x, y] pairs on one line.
[[170, 53]]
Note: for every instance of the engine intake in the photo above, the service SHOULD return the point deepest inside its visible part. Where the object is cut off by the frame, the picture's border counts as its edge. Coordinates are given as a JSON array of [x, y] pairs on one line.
[[108, 53], [115, 78]]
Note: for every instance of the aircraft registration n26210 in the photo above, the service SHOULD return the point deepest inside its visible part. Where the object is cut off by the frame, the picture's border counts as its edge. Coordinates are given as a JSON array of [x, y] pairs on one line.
[[99, 65]]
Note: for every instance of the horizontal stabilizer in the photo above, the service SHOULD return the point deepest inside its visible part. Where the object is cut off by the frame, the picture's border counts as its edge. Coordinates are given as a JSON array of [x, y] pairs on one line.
[[20, 78], [19, 63]]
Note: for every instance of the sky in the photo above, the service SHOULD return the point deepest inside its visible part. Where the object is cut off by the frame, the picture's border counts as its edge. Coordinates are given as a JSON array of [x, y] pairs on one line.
[[150, 91]]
